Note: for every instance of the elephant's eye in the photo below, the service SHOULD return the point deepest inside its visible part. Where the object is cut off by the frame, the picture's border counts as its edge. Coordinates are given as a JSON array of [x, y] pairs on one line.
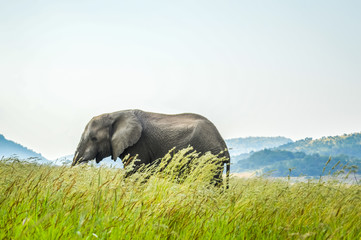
[[94, 139]]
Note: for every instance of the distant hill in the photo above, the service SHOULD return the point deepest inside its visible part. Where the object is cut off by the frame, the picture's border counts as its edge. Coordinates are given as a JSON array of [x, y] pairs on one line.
[[65, 160], [347, 144], [305, 156], [239, 146], [300, 163], [106, 162], [9, 148]]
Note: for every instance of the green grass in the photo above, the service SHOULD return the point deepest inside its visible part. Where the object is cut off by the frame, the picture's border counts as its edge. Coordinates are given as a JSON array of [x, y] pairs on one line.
[[84, 202]]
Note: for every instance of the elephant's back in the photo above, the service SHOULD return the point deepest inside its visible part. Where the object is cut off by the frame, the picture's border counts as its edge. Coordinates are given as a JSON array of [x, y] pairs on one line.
[[170, 118], [183, 130]]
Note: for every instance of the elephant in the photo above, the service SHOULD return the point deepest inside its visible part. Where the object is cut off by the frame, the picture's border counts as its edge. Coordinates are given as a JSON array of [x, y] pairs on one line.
[[150, 136]]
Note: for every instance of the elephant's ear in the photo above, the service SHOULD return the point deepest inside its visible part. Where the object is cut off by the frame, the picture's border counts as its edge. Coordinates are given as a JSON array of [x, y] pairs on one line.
[[126, 131]]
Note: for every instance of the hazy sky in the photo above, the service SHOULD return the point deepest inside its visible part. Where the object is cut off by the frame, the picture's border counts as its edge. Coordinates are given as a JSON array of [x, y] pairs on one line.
[[254, 68]]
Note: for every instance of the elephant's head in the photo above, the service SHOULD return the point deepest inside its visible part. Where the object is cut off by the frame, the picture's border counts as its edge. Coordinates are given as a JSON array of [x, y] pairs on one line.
[[108, 135]]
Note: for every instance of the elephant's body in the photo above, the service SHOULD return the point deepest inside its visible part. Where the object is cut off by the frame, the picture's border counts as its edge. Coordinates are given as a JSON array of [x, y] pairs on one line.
[[150, 136], [162, 132]]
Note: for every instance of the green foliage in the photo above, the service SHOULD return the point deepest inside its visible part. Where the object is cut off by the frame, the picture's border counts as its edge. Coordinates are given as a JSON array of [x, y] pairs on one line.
[[304, 157], [84, 202], [347, 144], [280, 161]]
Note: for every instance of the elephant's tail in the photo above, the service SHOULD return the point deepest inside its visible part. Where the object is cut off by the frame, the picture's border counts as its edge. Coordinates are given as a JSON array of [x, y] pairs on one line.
[[228, 169]]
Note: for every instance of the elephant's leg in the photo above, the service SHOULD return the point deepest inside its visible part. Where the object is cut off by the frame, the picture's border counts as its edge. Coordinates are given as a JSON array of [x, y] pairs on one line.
[[217, 178], [138, 159]]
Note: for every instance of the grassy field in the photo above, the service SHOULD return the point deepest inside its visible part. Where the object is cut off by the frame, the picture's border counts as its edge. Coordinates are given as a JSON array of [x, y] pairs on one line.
[[84, 202]]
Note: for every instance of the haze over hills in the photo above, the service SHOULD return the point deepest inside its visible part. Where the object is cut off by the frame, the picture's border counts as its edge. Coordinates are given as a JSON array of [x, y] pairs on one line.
[[305, 156], [10, 148], [347, 144], [108, 162], [238, 146]]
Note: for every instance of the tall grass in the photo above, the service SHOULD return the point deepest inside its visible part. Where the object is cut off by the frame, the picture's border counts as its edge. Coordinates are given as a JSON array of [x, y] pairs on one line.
[[85, 202]]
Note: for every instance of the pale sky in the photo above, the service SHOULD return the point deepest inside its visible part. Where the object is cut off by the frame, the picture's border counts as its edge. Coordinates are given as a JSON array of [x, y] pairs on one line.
[[254, 68]]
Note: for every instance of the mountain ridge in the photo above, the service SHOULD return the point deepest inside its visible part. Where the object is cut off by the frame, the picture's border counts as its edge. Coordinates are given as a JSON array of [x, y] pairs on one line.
[[9, 148], [346, 144], [307, 156]]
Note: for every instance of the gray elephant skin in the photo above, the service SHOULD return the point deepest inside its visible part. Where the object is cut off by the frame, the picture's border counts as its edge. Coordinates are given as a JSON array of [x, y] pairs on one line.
[[148, 135]]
